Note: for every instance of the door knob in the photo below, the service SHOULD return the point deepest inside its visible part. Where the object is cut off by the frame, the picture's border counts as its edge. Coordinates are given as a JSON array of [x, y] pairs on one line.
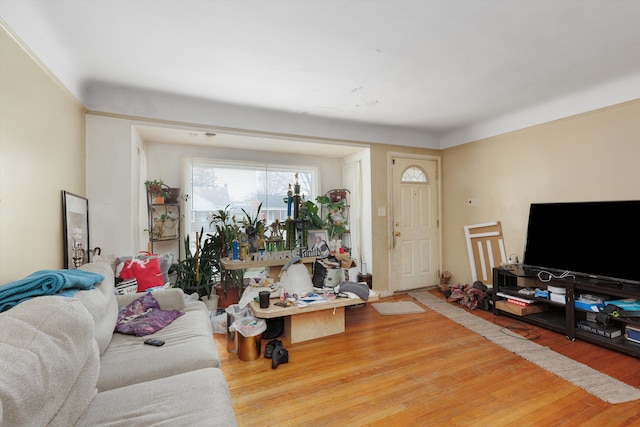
[[397, 234]]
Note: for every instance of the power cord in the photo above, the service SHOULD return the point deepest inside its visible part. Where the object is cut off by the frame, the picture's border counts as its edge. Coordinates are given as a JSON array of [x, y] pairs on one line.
[[547, 276], [518, 330]]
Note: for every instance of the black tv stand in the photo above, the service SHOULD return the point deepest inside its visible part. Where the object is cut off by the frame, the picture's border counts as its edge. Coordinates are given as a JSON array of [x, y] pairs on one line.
[[563, 318], [609, 284]]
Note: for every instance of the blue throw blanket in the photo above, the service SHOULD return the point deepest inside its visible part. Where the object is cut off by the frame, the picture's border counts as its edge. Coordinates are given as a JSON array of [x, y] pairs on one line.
[[47, 282]]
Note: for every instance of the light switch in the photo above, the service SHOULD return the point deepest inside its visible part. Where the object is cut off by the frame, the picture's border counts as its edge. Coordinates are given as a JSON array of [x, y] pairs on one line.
[[382, 211]]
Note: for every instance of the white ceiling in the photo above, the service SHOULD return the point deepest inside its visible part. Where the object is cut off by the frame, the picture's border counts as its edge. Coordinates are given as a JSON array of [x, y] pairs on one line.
[[450, 69]]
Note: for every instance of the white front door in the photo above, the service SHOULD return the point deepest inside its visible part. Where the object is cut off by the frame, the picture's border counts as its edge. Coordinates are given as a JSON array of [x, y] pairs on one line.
[[415, 228]]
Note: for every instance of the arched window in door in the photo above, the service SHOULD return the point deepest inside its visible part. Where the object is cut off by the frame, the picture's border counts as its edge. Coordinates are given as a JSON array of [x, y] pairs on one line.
[[414, 174]]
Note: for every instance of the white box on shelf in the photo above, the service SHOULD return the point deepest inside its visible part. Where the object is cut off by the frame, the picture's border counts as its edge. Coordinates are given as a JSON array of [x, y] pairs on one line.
[[561, 298], [556, 289]]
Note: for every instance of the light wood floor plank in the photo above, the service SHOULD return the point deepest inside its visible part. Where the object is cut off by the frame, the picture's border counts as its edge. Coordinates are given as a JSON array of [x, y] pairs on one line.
[[421, 369]]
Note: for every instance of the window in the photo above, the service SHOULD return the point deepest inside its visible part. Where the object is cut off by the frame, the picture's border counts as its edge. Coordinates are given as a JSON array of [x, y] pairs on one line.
[[214, 184], [414, 174]]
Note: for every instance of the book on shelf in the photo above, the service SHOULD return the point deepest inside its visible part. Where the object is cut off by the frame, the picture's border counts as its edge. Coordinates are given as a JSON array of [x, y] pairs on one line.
[[626, 304], [632, 333], [598, 329]]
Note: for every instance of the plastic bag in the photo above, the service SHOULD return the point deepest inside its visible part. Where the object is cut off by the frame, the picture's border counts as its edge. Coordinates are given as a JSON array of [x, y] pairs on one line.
[[250, 326], [234, 312], [145, 268], [191, 297], [219, 323]]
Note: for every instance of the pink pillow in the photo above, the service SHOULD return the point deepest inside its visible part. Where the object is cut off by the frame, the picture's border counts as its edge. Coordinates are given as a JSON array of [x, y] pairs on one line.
[[143, 316]]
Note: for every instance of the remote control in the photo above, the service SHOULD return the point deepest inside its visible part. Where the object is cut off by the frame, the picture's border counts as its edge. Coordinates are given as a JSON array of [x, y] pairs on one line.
[[154, 342]]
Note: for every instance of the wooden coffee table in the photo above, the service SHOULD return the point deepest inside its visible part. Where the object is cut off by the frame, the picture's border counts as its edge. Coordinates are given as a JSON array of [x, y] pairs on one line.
[[310, 322]]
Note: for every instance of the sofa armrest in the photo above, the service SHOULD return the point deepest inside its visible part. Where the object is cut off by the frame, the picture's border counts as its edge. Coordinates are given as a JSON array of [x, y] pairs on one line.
[[168, 299]]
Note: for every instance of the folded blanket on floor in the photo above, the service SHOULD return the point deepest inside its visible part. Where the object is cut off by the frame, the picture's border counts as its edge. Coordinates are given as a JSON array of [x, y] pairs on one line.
[[46, 282]]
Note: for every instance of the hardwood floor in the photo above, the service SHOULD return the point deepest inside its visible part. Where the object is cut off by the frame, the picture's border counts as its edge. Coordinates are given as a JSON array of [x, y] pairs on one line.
[[421, 369]]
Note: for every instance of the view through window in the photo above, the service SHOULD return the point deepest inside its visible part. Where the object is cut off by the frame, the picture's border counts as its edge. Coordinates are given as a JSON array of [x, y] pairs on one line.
[[213, 185]]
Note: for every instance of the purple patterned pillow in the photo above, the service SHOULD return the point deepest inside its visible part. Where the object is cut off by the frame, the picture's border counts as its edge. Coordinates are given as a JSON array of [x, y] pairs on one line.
[[143, 316], [139, 306]]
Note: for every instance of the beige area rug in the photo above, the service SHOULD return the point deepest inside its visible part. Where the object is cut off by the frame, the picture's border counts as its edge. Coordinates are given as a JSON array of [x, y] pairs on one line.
[[592, 381], [400, 307]]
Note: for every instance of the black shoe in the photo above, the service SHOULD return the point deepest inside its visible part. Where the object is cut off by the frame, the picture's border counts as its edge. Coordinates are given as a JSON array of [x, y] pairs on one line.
[[280, 356], [271, 345]]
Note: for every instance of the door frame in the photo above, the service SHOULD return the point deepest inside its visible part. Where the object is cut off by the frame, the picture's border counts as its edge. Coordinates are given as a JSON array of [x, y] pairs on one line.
[[390, 156]]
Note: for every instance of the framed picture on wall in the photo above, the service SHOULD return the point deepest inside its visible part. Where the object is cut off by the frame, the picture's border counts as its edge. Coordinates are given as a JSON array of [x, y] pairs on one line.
[[75, 230]]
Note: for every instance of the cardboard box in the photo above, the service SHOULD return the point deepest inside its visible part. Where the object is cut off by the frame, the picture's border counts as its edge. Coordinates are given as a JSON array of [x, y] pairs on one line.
[[347, 263], [518, 310]]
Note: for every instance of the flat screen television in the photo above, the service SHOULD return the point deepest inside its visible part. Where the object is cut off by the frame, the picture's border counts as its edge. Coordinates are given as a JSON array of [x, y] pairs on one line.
[[591, 239]]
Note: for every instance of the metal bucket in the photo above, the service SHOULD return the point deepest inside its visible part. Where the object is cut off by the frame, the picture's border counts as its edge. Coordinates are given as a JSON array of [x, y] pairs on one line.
[[248, 347]]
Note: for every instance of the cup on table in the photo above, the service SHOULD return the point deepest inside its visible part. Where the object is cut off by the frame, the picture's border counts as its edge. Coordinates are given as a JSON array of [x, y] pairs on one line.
[[263, 297]]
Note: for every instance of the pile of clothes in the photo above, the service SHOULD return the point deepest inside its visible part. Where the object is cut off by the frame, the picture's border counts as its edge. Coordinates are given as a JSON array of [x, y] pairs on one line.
[[469, 296]]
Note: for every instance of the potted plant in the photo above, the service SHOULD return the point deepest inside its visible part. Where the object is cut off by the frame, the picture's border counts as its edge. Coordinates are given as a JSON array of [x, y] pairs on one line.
[[311, 212], [196, 272], [335, 221], [255, 229], [157, 190], [226, 230], [167, 223], [174, 195]]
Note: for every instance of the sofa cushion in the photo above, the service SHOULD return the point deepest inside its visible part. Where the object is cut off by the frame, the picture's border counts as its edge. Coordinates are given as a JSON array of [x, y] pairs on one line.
[[189, 345], [47, 354], [143, 316], [101, 303], [168, 299], [196, 398]]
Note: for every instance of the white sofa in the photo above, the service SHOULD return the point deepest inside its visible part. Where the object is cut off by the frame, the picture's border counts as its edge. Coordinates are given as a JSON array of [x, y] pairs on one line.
[[61, 364]]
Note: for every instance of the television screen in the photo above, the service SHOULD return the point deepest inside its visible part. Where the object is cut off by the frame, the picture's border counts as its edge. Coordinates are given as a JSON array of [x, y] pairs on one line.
[[596, 239]]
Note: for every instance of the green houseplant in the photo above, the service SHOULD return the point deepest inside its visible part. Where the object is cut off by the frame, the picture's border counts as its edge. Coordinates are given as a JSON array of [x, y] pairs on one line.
[[311, 212], [334, 221], [164, 226], [225, 230], [255, 229], [196, 272], [157, 190]]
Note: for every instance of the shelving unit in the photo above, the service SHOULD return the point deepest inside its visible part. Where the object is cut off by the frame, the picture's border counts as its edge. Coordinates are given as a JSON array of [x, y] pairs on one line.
[[562, 318], [339, 196], [165, 223]]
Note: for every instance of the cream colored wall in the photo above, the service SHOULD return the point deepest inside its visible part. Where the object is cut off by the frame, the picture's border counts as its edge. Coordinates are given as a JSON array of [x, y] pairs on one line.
[[380, 199], [593, 156], [42, 152]]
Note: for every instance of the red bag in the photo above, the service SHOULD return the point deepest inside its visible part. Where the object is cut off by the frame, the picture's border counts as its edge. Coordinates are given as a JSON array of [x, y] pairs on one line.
[[145, 268]]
